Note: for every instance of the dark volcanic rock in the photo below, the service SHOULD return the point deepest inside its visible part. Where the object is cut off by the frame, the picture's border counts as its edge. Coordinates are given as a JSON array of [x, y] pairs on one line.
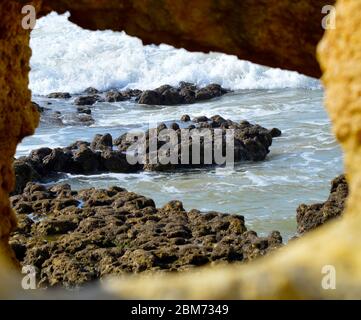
[[275, 132], [87, 100], [115, 96], [209, 92], [85, 119], [311, 216], [251, 142], [57, 160], [114, 161], [132, 93], [59, 95], [150, 97], [185, 118], [24, 173], [185, 93], [91, 90], [38, 107], [88, 234], [171, 97], [86, 161], [84, 110], [102, 142]]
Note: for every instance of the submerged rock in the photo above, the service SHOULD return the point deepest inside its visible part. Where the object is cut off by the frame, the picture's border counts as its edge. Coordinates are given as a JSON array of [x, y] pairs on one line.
[[115, 96], [88, 234], [275, 132], [150, 97], [185, 93], [84, 110], [59, 95], [311, 216], [85, 119], [38, 107], [91, 90], [87, 100], [24, 173]]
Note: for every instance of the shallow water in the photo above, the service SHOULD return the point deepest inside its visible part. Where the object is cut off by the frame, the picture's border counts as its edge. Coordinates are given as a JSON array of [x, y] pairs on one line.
[[298, 169]]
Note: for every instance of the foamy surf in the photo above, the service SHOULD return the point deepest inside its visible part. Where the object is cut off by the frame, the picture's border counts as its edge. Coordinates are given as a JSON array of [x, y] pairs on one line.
[[68, 58]]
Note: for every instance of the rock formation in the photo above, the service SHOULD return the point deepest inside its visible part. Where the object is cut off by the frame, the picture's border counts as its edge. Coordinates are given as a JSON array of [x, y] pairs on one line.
[[73, 237], [18, 116], [251, 143]]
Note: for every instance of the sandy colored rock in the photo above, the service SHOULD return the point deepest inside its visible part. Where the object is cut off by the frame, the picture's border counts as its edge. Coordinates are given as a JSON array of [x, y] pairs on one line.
[[18, 116]]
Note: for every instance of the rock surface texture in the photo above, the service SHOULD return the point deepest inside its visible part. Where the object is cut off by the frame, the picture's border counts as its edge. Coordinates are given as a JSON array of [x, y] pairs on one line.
[[311, 216], [75, 237]]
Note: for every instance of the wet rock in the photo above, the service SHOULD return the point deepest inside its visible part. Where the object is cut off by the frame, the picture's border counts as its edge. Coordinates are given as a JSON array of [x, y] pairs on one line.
[[200, 119], [87, 100], [150, 97], [185, 118], [115, 96], [59, 95], [114, 161], [91, 91], [24, 173], [85, 119], [185, 93], [311, 216], [57, 160], [188, 96], [38, 107], [251, 143], [163, 88], [218, 121], [171, 97], [174, 126], [274, 132], [86, 161], [102, 142], [83, 110], [132, 93], [209, 92], [52, 118], [92, 233]]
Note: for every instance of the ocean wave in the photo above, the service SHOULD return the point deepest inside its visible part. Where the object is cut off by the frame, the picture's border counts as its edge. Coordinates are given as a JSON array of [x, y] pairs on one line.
[[69, 58]]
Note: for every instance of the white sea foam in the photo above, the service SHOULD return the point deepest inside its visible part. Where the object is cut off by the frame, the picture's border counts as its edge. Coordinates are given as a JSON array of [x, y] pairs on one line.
[[68, 58]]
